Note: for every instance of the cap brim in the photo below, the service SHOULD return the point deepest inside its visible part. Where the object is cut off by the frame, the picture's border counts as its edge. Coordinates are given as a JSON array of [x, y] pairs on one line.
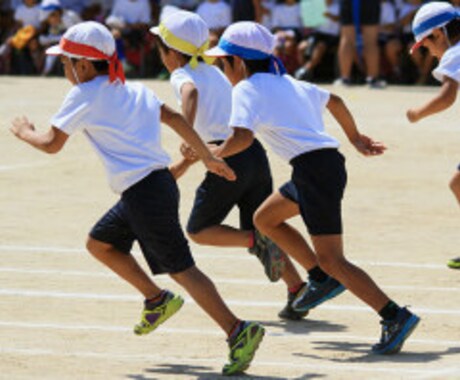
[[54, 50], [155, 30], [416, 46], [216, 51]]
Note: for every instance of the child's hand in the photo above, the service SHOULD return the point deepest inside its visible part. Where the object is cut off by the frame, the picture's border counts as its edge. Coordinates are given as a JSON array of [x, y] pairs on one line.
[[188, 152], [412, 115], [218, 166], [368, 147], [20, 126]]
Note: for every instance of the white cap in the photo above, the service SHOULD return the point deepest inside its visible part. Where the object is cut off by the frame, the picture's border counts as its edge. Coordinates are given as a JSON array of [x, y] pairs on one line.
[[181, 28], [90, 40], [429, 17], [246, 39], [50, 5]]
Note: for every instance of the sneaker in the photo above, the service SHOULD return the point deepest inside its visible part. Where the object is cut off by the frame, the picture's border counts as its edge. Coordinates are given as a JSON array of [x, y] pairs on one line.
[[288, 311], [302, 74], [395, 332], [154, 316], [270, 255], [454, 263], [243, 348], [315, 293], [376, 83], [342, 82]]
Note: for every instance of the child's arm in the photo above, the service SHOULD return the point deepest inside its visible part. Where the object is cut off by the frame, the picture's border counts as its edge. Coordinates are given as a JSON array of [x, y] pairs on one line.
[[444, 99], [363, 144], [48, 142], [176, 121], [240, 140], [179, 168]]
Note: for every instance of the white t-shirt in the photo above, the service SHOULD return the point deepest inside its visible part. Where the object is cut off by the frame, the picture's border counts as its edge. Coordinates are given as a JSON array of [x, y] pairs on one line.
[[216, 15], [449, 65], [214, 99], [330, 26], [132, 11], [403, 12], [28, 15], [287, 113], [286, 16], [387, 15], [122, 122]]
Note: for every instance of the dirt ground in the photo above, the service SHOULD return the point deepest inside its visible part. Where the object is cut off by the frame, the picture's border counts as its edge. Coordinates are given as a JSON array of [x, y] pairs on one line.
[[64, 316]]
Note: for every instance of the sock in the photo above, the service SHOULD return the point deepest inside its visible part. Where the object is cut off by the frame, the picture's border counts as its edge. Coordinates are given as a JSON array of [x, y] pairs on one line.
[[296, 288], [235, 330], [317, 274], [151, 303], [389, 311]]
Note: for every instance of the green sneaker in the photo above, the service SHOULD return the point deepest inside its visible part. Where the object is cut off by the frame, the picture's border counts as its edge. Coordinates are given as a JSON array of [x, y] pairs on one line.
[[270, 255], [153, 316], [243, 348], [454, 263]]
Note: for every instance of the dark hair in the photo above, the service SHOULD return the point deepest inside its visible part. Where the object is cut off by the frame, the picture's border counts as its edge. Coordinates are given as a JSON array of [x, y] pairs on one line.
[[102, 67], [257, 65], [453, 29]]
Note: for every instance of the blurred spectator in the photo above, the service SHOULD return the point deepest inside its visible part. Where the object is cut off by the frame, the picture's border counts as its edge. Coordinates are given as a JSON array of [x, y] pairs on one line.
[[423, 62], [246, 10], [189, 5], [56, 21], [389, 41], [133, 19], [218, 15], [266, 10], [286, 49], [28, 13], [324, 39], [286, 15], [456, 4], [359, 16]]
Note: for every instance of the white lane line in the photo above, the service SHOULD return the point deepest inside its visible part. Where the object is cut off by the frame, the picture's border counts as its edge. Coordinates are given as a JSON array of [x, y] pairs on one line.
[[232, 255], [246, 303], [165, 279], [304, 336], [6, 168], [302, 364]]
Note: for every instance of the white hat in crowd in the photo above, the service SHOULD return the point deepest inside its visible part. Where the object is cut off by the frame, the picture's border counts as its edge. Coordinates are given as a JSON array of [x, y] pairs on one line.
[[248, 40], [93, 41], [429, 17], [185, 32]]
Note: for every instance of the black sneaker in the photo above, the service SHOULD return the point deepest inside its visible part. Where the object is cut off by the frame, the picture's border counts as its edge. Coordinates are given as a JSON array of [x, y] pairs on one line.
[[270, 255], [395, 332], [288, 312], [315, 293]]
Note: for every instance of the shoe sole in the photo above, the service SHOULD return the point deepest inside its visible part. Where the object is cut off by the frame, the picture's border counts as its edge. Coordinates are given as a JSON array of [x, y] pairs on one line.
[[453, 265], [173, 307], [247, 362], [396, 346], [310, 306]]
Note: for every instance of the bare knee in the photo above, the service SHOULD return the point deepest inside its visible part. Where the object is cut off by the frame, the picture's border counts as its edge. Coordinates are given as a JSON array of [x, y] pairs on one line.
[[196, 237], [262, 222], [96, 247]]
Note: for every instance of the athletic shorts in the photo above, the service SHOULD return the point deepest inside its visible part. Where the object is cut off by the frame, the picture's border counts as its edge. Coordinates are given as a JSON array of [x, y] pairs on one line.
[[215, 197], [369, 12], [148, 213], [289, 191], [320, 178]]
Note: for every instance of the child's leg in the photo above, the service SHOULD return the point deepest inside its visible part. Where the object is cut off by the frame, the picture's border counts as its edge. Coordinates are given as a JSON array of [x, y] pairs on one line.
[[270, 219], [455, 185], [124, 265], [205, 294], [329, 249], [222, 236]]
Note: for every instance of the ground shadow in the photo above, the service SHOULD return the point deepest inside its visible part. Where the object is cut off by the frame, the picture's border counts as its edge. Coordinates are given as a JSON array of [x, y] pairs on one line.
[[365, 355], [304, 326], [204, 373]]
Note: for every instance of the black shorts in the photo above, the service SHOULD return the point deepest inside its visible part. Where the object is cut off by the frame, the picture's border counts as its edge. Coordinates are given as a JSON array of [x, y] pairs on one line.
[[368, 12], [148, 212], [329, 39], [215, 197], [320, 178]]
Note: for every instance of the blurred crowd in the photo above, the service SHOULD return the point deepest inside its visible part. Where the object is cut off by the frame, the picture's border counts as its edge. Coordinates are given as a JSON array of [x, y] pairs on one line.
[[310, 38]]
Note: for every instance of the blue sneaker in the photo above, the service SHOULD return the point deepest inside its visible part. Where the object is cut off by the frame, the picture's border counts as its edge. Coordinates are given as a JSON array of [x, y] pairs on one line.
[[315, 293], [395, 332], [288, 312]]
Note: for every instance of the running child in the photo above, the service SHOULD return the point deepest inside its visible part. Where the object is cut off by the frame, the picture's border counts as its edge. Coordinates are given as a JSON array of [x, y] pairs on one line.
[[288, 115], [98, 105], [436, 27], [204, 95]]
